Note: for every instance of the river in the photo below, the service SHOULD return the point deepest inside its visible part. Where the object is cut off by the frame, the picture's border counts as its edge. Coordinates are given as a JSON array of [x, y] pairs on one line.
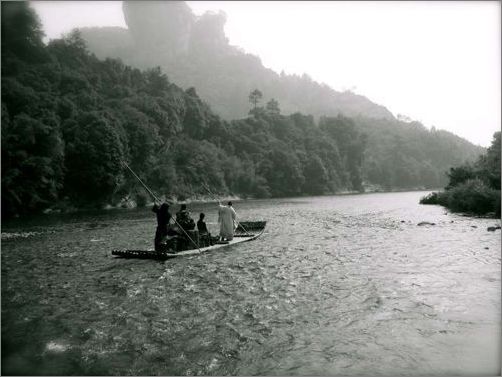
[[335, 285]]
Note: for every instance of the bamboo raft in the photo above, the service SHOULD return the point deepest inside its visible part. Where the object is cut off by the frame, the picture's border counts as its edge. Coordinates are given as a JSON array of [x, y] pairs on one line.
[[246, 231]]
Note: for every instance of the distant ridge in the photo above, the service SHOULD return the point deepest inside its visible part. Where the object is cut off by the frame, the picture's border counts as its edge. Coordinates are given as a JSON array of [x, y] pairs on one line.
[[194, 51]]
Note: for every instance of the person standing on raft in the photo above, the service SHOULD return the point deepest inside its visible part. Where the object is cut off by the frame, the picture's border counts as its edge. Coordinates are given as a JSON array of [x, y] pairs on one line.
[[163, 217], [227, 219]]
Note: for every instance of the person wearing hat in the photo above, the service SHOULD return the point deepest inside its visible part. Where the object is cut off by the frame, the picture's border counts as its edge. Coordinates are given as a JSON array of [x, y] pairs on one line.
[[184, 219]]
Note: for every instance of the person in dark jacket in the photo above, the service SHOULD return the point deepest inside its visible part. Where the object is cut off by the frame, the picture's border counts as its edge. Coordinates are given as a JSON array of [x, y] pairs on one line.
[[163, 217], [201, 225], [183, 218], [204, 235]]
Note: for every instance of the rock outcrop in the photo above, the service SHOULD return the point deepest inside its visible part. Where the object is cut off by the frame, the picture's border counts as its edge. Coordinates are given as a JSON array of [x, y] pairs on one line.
[[160, 25]]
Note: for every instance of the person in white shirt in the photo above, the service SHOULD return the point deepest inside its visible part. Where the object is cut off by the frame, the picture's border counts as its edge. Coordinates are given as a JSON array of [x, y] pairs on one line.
[[227, 220]]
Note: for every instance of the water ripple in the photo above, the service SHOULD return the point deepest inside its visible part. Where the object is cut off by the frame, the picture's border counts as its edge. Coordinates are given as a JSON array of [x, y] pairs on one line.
[[336, 285]]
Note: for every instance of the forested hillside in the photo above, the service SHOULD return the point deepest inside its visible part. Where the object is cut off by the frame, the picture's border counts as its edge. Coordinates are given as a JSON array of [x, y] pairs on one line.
[[70, 119], [406, 155], [194, 51]]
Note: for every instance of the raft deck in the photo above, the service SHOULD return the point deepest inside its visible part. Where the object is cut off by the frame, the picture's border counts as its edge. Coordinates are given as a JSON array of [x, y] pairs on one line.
[[246, 231]]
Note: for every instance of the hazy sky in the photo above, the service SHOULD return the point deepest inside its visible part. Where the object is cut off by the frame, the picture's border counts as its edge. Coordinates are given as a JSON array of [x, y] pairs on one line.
[[436, 62]]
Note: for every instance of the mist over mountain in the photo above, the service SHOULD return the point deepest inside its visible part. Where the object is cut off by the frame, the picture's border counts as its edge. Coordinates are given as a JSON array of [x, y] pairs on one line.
[[194, 51]]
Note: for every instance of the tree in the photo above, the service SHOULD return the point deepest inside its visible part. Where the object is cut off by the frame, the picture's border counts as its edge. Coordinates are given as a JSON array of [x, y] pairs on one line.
[[195, 117], [254, 97], [71, 51], [473, 188], [351, 145], [282, 170], [459, 175], [32, 156], [316, 176], [142, 137], [94, 153], [157, 82], [21, 32], [74, 40], [489, 164], [273, 107]]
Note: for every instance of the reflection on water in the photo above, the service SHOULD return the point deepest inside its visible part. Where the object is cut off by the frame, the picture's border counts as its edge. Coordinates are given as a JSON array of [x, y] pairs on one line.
[[336, 285]]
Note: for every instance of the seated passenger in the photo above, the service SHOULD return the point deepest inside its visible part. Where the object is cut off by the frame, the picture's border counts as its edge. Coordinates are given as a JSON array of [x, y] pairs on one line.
[[204, 235], [201, 225], [183, 218]]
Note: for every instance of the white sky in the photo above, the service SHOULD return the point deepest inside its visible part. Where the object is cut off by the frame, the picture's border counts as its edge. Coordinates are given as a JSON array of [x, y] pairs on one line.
[[436, 62]]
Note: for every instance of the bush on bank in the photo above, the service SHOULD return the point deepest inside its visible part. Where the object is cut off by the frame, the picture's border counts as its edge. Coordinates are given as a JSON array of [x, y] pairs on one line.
[[473, 189]]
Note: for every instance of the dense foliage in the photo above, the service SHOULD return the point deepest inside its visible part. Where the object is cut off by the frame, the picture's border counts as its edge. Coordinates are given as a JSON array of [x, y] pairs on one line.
[[406, 155], [473, 188], [69, 120]]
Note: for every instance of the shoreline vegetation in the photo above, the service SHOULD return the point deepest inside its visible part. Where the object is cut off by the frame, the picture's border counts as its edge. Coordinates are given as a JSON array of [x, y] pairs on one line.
[[473, 189], [70, 121], [130, 202]]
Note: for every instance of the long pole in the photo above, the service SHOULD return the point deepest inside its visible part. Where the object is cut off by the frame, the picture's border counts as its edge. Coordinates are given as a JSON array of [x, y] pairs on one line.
[[157, 199], [140, 181], [214, 197]]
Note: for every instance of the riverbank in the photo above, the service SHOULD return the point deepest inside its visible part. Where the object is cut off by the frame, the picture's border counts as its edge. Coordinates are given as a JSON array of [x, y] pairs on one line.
[[196, 199], [471, 198], [130, 201], [473, 188]]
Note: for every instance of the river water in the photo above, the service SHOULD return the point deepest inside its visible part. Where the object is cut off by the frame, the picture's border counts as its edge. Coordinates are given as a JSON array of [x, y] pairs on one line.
[[335, 285]]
